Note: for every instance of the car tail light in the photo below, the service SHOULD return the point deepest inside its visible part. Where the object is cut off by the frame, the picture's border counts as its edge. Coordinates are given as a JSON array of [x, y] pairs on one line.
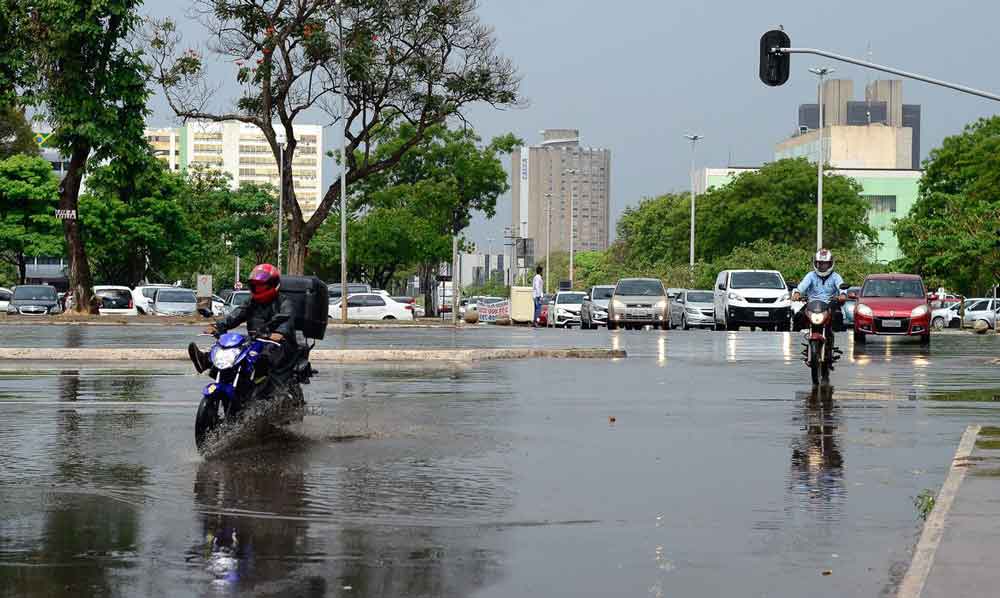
[[409, 306], [130, 304]]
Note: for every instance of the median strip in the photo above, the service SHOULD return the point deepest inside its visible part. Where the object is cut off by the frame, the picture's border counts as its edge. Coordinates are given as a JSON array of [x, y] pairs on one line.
[[318, 355]]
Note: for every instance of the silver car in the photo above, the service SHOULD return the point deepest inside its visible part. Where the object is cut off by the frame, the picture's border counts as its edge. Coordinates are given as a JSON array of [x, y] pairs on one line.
[[982, 309], [693, 309], [594, 312], [638, 302], [173, 301]]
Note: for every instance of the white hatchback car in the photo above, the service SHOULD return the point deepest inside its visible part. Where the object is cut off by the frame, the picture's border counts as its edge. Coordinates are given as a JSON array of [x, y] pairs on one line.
[[115, 301], [372, 306], [142, 297], [5, 295]]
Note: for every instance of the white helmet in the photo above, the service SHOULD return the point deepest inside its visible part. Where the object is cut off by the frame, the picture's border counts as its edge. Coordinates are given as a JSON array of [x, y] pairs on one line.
[[823, 262]]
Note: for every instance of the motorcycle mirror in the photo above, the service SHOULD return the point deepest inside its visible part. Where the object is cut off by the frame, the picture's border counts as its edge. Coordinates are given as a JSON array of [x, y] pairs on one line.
[[852, 296], [844, 286]]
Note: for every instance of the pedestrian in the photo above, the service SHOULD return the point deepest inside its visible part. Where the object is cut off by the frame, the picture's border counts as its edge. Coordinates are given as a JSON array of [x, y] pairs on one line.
[[536, 294]]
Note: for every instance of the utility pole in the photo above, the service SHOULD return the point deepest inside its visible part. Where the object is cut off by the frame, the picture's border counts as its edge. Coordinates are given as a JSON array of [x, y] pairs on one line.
[[572, 223], [821, 73], [343, 166], [281, 196], [548, 236], [693, 138]]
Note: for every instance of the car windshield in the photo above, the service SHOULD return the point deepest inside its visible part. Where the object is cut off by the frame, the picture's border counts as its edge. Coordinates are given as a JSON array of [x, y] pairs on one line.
[[602, 293], [114, 298], [649, 288], [40, 293], [756, 280], [239, 299], [172, 296], [569, 298], [700, 297], [887, 287], [356, 288]]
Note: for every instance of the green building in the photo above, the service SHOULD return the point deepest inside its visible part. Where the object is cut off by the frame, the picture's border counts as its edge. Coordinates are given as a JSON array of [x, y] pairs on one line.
[[890, 193]]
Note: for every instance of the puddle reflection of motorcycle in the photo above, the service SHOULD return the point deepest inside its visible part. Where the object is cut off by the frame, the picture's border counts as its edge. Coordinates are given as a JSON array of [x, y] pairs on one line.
[[817, 468], [252, 525]]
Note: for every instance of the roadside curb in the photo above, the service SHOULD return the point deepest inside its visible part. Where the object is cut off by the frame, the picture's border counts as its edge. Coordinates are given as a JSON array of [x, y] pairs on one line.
[[319, 355], [923, 557]]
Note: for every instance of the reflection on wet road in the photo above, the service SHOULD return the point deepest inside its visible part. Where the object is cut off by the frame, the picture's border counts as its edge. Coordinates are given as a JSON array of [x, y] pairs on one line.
[[722, 473]]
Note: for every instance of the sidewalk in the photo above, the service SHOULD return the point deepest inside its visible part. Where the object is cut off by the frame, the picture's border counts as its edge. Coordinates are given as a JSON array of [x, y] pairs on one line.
[[965, 524]]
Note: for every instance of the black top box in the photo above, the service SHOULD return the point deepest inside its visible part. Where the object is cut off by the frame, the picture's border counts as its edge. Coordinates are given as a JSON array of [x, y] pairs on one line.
[[312, 309]]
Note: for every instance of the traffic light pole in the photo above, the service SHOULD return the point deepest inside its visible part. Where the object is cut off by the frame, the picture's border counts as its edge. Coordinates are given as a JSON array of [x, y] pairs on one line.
[[888, 69]]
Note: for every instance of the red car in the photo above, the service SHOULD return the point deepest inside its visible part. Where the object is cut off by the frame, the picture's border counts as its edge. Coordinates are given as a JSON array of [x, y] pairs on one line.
[[543, 317], [892, 305]]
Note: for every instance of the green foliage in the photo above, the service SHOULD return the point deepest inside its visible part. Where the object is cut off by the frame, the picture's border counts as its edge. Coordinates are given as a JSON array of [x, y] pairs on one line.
[[29, 195], [134, 221], [490, 289], [16, 136], [952, 234], [924, 502], [775, 204]]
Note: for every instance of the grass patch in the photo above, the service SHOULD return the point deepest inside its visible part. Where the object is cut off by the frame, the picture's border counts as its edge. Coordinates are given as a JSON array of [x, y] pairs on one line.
[[924, 502], [986, 395], [990, 431], [988, 444]]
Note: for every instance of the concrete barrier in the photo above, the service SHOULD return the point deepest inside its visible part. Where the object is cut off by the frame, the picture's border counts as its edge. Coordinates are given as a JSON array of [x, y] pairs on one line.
[[318, 355]]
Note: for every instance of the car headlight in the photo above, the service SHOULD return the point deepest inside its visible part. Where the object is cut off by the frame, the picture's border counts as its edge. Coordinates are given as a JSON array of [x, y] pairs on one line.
[[817, 318], [225, 358], [662, 304], [735, 296], [784, 297], [55, 309], [617, 304], [864, 310], [692, 310], [920, 310], [11, 309]]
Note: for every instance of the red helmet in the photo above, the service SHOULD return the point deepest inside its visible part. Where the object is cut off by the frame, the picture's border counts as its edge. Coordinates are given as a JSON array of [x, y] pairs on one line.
[[264, 282]]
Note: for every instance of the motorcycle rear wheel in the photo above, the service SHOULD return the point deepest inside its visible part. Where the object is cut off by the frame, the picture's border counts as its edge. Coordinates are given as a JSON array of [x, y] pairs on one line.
[[206, 420]]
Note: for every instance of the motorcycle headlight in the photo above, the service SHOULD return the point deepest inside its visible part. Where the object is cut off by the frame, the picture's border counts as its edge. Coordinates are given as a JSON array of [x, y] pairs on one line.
[[735, 296], [920, 310], [864, 310], [817, 318], [225, 358]]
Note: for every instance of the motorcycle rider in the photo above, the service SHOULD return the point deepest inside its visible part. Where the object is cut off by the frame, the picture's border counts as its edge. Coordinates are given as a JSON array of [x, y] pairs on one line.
[[268, 315], [822, 284]]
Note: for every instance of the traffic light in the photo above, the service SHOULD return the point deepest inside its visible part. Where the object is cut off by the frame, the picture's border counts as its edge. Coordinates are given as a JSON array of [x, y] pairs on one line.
[[774, 67]]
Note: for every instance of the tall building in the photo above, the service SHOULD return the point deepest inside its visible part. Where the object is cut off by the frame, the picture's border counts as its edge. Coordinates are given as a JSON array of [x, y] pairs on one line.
[[554, 184], [877, 132]]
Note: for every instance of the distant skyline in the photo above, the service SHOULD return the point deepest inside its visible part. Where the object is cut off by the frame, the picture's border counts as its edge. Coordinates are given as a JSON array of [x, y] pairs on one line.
[[634, 77]]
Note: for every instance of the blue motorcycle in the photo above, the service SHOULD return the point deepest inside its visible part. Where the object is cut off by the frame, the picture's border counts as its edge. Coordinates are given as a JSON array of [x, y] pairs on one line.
[[238, 383]]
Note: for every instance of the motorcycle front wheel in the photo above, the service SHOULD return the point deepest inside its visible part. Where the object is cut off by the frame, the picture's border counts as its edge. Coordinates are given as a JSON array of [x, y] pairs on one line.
[[818, 368], [206, 420]]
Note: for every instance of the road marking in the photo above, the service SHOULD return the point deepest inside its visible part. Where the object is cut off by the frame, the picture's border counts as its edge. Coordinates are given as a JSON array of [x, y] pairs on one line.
[[930, 538]]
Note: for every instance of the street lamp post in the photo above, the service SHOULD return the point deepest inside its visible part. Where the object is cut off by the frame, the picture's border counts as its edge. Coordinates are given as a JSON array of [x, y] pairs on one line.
[[343, 168], [281, 197], [548, 236], [693, 138], [821, 73], [572, 225]]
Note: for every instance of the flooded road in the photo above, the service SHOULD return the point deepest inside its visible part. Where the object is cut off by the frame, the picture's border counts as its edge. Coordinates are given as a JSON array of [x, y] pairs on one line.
[[721, 472]]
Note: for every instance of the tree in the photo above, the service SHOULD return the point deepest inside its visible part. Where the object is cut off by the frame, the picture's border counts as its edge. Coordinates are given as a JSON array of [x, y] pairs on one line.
[[952, 233], [16, 136], [776, 204], [73, 63], [29, 194], [134, 221], [423, 61]]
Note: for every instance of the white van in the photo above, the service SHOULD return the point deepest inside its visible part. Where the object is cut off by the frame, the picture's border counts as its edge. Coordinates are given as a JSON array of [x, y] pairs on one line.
[[755, 298]]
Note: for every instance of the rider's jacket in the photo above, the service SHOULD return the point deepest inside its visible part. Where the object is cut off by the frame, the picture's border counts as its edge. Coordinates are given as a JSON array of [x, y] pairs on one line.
[[814, 287], [261, 320]]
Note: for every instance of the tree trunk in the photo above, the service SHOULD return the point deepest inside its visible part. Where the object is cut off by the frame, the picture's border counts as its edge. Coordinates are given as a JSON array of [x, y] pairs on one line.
[[22, 268], [69, 197], [426, 278]]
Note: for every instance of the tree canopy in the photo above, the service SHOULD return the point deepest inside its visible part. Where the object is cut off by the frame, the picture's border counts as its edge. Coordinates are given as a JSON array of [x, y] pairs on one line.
[[29, 194], [16, 136], [952, 233]]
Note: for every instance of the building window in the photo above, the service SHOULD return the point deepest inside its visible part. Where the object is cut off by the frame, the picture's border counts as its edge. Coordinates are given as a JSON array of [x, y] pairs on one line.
[[881, 204]]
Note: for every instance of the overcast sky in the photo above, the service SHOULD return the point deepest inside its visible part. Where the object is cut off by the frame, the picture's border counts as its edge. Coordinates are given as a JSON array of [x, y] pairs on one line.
[[635, 75]]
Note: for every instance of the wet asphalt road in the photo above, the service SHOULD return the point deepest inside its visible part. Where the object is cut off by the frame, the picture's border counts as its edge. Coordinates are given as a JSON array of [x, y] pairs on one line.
[[722, 474]]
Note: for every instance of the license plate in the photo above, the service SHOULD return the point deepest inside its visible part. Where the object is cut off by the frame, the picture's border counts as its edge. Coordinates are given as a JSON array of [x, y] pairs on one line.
[[892, 324], [760, 314]]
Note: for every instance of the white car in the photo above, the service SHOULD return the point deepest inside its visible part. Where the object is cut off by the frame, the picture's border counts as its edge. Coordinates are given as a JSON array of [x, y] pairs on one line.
[[565, 312], [946, 317], [372, 306], [143, 296], [754, 298], [5, 295], [115, 301]]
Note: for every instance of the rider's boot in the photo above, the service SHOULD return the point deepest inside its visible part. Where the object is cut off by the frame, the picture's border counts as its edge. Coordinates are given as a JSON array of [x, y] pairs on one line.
[[199, 358]]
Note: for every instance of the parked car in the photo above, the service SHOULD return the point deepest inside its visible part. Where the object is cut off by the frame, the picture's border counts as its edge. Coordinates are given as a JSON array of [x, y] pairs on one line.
[[115, 301], [594, 312], [848, 307], [983, 310], [33, 300], [638, 302], [372, 306], [353, 288], [5, 298], [565, 311], [142, 296], [754, 298], [692, 309], [892, 304], [947, 317], [173, 301], [543, 317], [236, 299]]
